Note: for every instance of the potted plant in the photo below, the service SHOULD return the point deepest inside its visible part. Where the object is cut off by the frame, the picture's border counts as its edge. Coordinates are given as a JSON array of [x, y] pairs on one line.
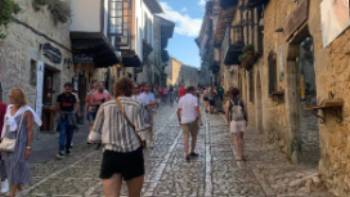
[[248, 57]]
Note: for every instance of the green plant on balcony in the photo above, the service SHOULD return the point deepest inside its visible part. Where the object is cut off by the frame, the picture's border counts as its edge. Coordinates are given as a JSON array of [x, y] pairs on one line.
[[60, 10], [7, 9], [248, 57]]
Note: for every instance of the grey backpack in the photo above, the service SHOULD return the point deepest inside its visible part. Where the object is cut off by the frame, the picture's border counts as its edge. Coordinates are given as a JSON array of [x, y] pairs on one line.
[[236, 111]]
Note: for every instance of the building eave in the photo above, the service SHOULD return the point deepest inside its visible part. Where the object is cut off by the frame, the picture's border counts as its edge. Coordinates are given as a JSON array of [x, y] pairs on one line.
[[154, 6]]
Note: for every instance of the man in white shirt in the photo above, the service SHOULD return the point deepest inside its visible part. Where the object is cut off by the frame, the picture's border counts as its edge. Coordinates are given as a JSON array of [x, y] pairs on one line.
[[148, 101], [188, 114]]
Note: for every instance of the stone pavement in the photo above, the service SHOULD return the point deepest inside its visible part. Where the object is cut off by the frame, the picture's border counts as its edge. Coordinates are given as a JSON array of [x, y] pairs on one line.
[[214, 174]]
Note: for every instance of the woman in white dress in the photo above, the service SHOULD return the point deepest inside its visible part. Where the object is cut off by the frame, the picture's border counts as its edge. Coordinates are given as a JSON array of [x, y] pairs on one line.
[[237, 118]]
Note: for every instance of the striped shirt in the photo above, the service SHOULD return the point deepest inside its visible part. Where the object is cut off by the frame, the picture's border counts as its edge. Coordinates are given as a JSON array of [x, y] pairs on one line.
[[116, 133]]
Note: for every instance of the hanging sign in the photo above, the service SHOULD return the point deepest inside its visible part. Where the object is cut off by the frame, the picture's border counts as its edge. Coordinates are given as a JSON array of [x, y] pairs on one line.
[[52, 53]]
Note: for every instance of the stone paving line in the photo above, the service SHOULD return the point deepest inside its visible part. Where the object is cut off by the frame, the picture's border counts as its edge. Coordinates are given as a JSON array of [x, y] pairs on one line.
[[215, 173]]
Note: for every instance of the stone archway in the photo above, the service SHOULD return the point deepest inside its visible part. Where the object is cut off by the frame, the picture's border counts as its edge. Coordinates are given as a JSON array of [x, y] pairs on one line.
[[300, 93]]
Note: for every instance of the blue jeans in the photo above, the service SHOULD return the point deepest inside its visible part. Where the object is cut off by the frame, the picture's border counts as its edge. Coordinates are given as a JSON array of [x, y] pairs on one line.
[[65, 135]]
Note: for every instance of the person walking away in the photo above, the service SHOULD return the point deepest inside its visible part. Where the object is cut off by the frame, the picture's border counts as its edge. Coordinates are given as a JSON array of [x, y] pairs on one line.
[[206, 99], [149, 102], [4, 182], [237, 118], [117, 126], [18, 125], [219, 98], [188, 114], [66, 107], [211, 99], [171, 95]]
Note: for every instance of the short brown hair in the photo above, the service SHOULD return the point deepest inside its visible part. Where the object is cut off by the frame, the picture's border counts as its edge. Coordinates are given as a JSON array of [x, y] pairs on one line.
[[18, 97], [233, 92], [124, 87]]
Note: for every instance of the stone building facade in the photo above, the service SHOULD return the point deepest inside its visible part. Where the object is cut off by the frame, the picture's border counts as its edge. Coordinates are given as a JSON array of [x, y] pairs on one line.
[[310, 78], [180, 74], [296, 88], [34, 40]]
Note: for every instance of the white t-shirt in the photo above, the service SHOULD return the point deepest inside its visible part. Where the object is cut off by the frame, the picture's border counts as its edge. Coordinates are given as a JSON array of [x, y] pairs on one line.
[[146, 98], [188, 105]]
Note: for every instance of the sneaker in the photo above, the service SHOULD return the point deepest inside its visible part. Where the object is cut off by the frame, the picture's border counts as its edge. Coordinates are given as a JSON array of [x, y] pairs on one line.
[[68, 152], [60, 156], [5, 187], [193, 154]]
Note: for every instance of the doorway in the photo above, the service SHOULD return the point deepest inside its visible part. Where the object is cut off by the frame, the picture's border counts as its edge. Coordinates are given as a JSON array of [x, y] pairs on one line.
[[50, 89], [259, 109], [306, 142]]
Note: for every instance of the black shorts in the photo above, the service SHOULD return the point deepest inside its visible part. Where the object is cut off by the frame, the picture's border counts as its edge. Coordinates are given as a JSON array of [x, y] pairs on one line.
[[129, 165]]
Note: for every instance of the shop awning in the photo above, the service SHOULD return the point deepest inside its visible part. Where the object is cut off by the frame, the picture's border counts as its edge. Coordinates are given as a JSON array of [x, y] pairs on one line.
[[95, 46], [130, 59]]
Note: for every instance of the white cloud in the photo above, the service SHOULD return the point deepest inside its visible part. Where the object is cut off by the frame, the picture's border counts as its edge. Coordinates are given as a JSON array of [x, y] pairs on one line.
[[202, 2], [185, 24]]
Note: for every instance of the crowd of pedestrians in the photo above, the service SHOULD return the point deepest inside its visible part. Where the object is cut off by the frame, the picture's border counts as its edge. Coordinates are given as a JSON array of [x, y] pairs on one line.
[[122, 124]]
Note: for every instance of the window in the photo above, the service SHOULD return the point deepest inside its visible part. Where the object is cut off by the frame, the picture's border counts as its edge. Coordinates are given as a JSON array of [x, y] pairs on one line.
[[118, 21], [272, 72], [251, 85], [116, 17], [32, 72]]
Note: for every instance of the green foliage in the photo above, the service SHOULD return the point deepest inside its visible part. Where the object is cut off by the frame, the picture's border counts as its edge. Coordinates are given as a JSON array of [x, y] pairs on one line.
[[248, 57], [7, 9], [60, 10]]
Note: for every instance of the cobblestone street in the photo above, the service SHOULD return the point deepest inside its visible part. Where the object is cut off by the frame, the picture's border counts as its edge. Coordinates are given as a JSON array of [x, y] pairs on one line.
[[215, 173]]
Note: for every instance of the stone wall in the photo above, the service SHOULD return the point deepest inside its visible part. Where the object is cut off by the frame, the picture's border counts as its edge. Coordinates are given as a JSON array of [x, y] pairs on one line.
[[23, 45], [332, 75]]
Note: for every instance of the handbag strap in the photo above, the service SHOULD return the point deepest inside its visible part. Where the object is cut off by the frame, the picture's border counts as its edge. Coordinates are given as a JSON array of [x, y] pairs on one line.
[[122, 110]]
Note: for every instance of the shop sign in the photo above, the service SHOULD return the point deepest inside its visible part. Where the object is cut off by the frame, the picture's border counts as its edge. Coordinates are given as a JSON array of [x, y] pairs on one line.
[[82, 59], [52, 53], [297, 18]]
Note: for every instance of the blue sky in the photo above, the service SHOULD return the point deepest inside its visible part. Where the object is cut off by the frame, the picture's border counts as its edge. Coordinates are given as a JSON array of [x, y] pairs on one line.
[[187, 14]]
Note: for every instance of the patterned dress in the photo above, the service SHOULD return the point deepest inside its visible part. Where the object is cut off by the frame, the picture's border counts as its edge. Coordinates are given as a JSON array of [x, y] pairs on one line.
[[17, 168]]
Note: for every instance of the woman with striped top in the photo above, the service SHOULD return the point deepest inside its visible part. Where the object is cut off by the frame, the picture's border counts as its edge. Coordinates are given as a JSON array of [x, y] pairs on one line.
[[117, 126]]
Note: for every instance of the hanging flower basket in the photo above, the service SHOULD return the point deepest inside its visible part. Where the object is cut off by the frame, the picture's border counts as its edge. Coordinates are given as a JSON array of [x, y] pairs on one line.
[[248, 57]]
